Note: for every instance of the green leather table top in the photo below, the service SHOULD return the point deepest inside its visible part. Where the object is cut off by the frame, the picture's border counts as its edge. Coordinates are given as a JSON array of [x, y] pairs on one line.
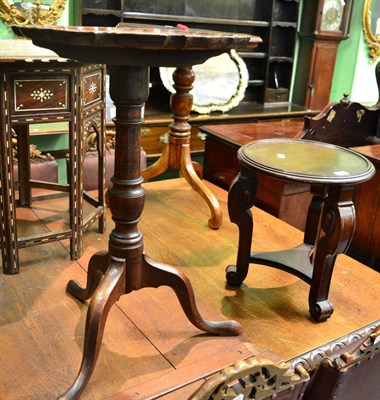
[[306, 161]]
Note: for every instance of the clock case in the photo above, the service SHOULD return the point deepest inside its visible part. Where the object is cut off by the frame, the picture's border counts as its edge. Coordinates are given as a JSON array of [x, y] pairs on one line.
[[312, 20], [317, 55]]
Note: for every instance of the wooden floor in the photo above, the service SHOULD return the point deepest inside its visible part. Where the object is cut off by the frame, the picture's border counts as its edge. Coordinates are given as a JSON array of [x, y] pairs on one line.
[[149, 346]]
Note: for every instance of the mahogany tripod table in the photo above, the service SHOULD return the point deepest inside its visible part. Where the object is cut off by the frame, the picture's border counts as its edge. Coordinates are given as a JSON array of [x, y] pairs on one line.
[[176, 152], [131, 50], [333, 173]]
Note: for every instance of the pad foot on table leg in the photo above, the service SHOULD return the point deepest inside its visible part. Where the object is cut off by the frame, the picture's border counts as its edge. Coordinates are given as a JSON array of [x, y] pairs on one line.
[[232, 277], [156, 274], [97, 267], [321, 310]]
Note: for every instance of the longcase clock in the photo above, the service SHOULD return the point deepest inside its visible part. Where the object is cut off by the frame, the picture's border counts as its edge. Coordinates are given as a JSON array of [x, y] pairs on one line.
[[324, 24]]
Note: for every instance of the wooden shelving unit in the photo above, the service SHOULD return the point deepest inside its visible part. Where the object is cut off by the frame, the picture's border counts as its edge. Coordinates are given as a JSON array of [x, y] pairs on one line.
[[270, 66]]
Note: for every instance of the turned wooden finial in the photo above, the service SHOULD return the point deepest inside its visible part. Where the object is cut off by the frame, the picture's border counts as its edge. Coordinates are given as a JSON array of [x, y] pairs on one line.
[[346, 99]]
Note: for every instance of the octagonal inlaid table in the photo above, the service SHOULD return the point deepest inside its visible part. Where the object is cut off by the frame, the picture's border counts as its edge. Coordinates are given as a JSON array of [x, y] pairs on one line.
[[38, 86]]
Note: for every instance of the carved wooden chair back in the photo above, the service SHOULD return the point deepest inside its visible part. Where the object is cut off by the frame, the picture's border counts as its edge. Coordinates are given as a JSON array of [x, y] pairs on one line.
[[344, 369], [351, 374], [346, 123], [254, 378]]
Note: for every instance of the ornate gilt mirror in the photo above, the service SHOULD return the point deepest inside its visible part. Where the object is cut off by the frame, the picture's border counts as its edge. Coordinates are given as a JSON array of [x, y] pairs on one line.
[[219, 84], [36, 12], [371, 27]]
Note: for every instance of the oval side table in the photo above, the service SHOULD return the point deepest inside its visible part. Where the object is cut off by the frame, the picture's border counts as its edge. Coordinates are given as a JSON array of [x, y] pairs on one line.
[[131, 50], [333, 173]]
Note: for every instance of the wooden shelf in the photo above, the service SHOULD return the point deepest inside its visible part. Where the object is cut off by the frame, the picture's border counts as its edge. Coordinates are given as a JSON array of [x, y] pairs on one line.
[[280, 59], [100, 11], [195, 20], [285, 24], [275, 21], [253, 55]]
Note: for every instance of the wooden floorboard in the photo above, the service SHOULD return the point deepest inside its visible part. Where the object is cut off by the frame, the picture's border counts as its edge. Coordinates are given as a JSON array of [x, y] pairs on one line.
[[149, 346], [42, 334]]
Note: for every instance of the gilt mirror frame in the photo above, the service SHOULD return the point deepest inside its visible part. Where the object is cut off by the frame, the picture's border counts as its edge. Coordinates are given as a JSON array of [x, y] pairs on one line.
[[371, 23], [219, 85], [40, 13]]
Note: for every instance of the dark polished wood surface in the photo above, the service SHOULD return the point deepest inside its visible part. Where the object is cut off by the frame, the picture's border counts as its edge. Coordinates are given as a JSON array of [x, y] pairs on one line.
[[221, 164], [142, 42], [149, 345], [241, 134], [367, 202], [372, 152]]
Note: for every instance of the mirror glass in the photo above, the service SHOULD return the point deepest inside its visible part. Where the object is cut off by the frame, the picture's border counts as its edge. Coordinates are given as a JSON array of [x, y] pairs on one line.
[[219, 84], [371, 27]]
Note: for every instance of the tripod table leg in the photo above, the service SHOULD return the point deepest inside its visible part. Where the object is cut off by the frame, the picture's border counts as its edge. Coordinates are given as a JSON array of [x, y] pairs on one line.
[[155, 274], [189, 173], [108, 292]]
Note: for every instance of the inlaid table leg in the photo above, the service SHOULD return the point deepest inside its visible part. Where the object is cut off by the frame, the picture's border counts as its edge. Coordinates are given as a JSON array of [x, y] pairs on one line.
[[75, 171], [23, 147], [176, 153], [8, 231]]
